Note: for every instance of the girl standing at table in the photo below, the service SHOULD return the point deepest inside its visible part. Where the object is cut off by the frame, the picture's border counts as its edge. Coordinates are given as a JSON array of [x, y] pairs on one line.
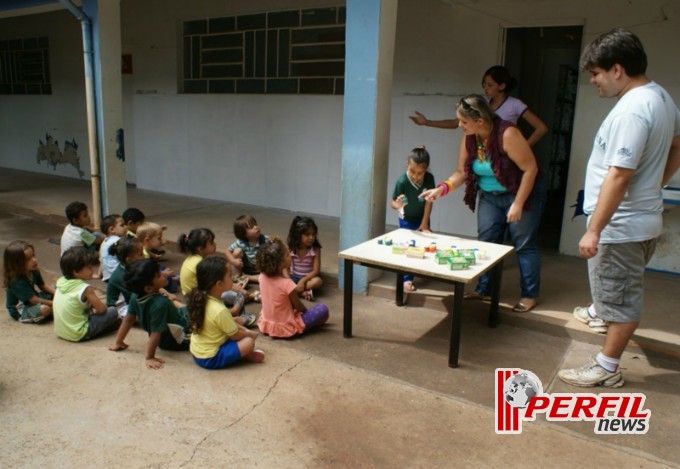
[[497, 166]]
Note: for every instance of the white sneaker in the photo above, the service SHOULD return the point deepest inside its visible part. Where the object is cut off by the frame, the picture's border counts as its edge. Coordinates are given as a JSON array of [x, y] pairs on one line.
[[591, 374], [596, 324]]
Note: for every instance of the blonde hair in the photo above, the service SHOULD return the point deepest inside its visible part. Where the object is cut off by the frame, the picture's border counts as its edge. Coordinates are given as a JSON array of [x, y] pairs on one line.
[[474, 107], [147, 230]]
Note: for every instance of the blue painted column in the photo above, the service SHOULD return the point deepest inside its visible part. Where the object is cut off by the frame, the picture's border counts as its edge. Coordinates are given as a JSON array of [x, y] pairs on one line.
[[369, 38]]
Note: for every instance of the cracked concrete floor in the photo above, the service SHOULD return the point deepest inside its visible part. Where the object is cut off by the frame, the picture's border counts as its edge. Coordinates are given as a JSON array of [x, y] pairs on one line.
[[383, 399], [81, 406]]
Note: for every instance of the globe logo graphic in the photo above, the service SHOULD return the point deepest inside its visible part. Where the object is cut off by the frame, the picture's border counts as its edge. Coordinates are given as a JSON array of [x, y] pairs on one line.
[[521, 387]]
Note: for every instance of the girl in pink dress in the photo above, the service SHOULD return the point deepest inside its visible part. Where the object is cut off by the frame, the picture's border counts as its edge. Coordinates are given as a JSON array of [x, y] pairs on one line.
[[283, 313]]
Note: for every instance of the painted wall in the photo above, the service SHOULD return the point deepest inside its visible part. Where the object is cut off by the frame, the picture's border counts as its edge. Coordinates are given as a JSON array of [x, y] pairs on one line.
[[24, 120], [285, 151]]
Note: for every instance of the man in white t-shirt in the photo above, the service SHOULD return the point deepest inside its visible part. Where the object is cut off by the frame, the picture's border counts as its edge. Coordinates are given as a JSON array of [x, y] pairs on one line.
[[636, 151]]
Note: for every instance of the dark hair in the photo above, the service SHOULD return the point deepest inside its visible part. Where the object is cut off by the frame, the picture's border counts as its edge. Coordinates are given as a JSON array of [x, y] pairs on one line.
[[298, 227], [73, 210], [618, 46], [198, 238], [241, 224], [475, 107], [140, 274], [133, 215], [270, 256], [109, 221], [124, 247], [419, 156], [76, 259], [501, 75], [15, 261], [209, 271]]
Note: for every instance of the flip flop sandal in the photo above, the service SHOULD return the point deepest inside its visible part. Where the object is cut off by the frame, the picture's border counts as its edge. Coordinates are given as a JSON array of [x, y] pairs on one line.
[[522, 308], [249, 320], [476, 296]]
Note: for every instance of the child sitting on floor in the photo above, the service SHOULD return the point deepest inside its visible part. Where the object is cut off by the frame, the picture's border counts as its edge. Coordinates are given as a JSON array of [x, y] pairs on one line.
[[78, 313], [132, 218], [305, 250], [77, 232], [22, 276], [200, 243], [113, 228], [126, 250], [216, 340], [151, 236], [243, 252], [283, 314], [163, 319]]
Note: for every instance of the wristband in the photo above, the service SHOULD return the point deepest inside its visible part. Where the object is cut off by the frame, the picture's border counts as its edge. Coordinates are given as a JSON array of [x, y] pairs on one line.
[[447, 186]]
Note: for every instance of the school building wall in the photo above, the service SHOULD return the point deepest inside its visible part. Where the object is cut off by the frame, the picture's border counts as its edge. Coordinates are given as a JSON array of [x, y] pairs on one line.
[[284, 151]]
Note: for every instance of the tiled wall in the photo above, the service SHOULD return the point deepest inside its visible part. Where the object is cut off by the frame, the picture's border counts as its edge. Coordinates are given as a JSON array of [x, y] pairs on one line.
[[289, 52], [24, 66]]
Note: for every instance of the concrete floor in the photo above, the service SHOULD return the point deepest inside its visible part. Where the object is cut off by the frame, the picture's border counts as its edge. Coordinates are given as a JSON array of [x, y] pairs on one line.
[[383, 398]]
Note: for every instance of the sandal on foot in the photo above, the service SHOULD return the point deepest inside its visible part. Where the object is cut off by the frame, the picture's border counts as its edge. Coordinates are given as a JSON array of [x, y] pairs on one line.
[[408, 286], [256, 356], [249, 320], [308, 295], [476, 296], [524, 307]]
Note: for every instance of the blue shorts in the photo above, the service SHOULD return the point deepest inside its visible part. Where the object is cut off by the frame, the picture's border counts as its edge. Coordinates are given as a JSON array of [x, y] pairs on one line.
[[295, 278], [226, 355]]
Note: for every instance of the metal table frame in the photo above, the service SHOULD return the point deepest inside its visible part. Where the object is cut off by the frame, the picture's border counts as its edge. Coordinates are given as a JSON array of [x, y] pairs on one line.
[[496, 271]]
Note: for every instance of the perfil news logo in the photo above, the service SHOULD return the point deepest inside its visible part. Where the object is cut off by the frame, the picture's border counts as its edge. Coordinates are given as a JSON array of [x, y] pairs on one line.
[[520, 397]]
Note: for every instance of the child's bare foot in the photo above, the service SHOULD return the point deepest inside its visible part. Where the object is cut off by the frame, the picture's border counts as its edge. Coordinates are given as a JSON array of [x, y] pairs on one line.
[[118, 347]]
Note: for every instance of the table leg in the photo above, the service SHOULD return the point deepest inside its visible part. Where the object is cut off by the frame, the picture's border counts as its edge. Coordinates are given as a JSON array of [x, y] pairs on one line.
[[456, 316], [347, 299], [400, 289], [496, 276]]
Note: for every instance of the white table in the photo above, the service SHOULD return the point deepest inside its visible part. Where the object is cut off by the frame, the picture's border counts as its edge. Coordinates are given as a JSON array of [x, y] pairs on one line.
[[373, 254]]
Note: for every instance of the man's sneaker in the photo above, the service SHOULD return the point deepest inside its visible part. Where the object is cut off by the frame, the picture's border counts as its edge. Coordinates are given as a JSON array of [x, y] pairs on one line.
[[591, 374], [596, 324]]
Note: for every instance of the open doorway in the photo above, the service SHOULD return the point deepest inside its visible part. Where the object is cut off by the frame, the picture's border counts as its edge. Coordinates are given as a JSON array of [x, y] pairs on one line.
[[545, 62]]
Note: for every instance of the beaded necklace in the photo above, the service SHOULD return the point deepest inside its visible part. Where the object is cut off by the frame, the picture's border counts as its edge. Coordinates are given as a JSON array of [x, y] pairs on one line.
[[483, 155]]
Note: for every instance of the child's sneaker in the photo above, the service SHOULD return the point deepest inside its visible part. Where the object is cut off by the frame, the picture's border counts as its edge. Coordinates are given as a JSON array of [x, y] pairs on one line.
[[591, 374], [256, 356], [595, 323]]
